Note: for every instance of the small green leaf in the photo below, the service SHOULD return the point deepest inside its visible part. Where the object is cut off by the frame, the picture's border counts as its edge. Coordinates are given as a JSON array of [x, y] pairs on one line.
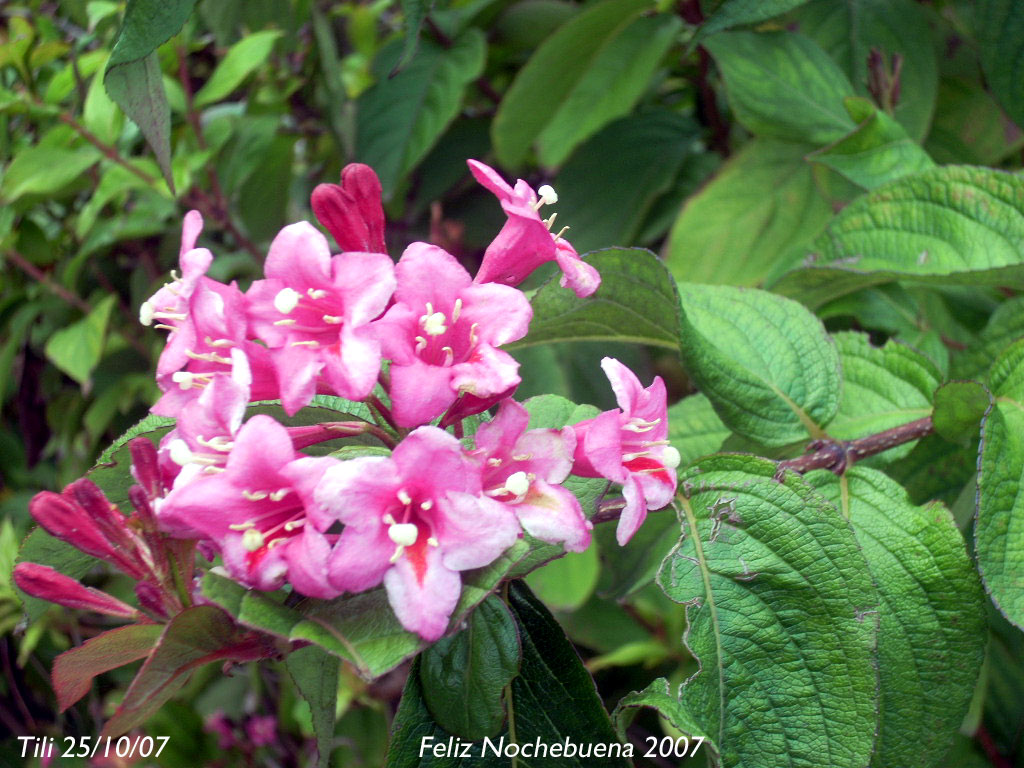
[[782, 85], [927, 662], [242, 59], [737, 13], [759, 206], [954, 225], [960, 407], [659, 696], [464, 676], [637, 302], [1000, 32], [876, 152], [415, 11], [45, 170], [76, 350], [315, 673], [999, 526], [781, 617], [764, 362]]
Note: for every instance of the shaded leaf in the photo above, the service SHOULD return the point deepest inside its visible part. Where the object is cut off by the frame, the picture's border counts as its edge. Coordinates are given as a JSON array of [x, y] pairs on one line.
[[694, 428], [315, 673], [1000, 32], [960, 407], [736, 13]]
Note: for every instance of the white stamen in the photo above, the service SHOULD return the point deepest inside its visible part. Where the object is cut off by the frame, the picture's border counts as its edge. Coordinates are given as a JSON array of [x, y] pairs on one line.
[[218, 443], [632, 456], [434, 324], [146, 313], [561, 232], [472, 333], [494, 462], [332, 319], [252, 539], [404, 497], [432, 541], [291, 525], [255, 495], [427, 505], [517, 483], [286, 321], [210, 357], [181, 454], [183, 379], [547, 195], [421, 343], [286, 300], [279, 494], [316, 293], [388, 519], [671, 457], [219, 342], [311, 344], [640, 425], [242, 526], [456, 310], [522, 457], [549, 222], [403, 534], [449, 355]]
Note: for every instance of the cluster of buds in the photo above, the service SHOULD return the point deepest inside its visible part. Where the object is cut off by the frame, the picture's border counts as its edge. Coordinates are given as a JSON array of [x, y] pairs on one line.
[[420, 341]]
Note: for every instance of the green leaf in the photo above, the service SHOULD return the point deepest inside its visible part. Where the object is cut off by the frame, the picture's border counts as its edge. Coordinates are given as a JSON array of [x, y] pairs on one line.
[[74, 670], [464, 676], [637, 302], [658, 696], [610, 184], [960, 407], [737, 13], [415, 11], [1000, 33], [935, 469], [45, 170], [76, 350], [242, 59], [133, 78], [566, 583], [782, 85], [850, 29], [969, 126], [551, 700], [401, 118], [955, 225], [1004, 326], [927, 662], [999, 526], [764, 362], [760, 205], [628, 569], [315, 673], [100, 115], [781, 617], [694, 428], [883, 387], [554, 73], [876, 152]]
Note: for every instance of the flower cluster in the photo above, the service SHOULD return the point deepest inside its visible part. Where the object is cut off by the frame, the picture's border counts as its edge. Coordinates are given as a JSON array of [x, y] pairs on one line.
[[420, 341]]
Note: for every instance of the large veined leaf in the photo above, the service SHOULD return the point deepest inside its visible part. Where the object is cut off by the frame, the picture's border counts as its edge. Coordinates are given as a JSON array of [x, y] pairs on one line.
[[849, 30], [551, 701], [754, 212], [782, 85], [735, 13], [1000, 32], [764, 361], [927, 663], [781, 615], [883, 387], [637, 302], [559, 72], [970, 126], [401, 117], [999, 528], [957, 225]]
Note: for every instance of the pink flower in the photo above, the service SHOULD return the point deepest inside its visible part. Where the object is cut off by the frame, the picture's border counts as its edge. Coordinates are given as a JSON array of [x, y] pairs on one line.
[[442, 335], [47, 584], [526, 242], [254, 508], [629, 445], [261, 730], [352, 212], [413, 520], [522, 469], [312, 311]]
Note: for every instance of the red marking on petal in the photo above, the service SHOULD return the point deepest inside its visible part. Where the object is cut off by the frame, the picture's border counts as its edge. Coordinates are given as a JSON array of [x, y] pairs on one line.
[[650, 467], [417, 556]]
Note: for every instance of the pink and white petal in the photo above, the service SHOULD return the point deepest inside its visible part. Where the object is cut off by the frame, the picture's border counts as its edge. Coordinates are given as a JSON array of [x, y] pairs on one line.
[[300, 257], [366, 281], [633, 514], [474, 530], [626, 386], [175, 355], [581, 277], [503, 312], [521, 246], [351, 367], [490, 179], [307, 556], [396, 332], [659, 485], [360, 559], [262, 313], [433, 460], [499, 435], [262, 448], [488, 371], [355, 492], [550, 452], [263, 569], [420, 392], [190, 229], [296, 370], [304, 475], [423, 602], [599, 447], [552, 513], [427, 273]]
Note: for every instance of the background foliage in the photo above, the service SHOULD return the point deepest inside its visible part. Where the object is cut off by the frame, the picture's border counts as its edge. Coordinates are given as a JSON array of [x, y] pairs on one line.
[[858, 160]]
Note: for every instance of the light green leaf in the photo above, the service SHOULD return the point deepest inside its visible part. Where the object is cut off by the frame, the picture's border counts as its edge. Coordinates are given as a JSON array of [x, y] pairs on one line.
[[927, 662], [764, 361], [242, 59], [850, 29], [637, 302], [401, 117], [753, 213], [566, 583], [781, 616], [960, 407], [315, 673], [883, 387], [955, 225], [694, 428], [76, 350], [876, 152], [101, 115], [553, 73], [782, 85], [1000, 32], [45, 170], [999, 526]]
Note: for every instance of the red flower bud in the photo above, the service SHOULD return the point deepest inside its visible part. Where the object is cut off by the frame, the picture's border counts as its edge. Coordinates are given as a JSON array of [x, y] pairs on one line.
[[44, 582], [352, 211]]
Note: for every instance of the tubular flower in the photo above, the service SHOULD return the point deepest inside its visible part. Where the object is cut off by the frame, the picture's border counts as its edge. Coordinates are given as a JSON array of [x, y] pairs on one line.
[[523, 468], [413, 520], [442, 335], [526, 241], [312, 311], [254, 509], [352, 211], [47, 584], [629, 445]]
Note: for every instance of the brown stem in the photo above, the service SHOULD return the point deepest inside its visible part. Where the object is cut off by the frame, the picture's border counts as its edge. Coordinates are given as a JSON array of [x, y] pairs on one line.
[[990, 748], [43, 279], [109, 152], [691, 13], [838, 455]]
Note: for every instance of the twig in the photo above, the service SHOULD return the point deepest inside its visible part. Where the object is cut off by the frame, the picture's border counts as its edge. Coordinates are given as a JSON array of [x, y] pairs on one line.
[[109, 152], [837, 455], [43, 279], [691, 13], [990, 748]]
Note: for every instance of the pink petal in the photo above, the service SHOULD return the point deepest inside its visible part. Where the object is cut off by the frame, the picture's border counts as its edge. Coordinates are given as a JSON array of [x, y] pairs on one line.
[[423, 602], [633, 514], [307, 556], [433, 459], [352, 211], [352, 366], [490, 179], [427, 273], [552, 513], [501, 433], [581, 277], [190, 229], [504, 313], [474, 530], [355, 492], [489, 371], [626, 386], [599, 447], [48, 584], [297, 369], [420, 392], [366, 280], [299, 256], [360, 559]]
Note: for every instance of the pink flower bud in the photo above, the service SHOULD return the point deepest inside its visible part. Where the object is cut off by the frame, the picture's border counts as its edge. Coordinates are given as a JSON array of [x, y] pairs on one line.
[[47, 584], [63, 518], [352, 211], [151, 597], [146, 466]]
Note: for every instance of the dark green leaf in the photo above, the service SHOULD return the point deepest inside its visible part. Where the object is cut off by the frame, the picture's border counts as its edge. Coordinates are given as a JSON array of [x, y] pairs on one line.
[[464, 675], [1004, 326], [315, 673], [969, 126], [415, 12], [1000, 31], [736, 13], [960, 407]]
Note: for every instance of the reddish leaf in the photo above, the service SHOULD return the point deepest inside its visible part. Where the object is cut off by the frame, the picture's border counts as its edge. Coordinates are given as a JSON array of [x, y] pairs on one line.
[[74, 670]]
